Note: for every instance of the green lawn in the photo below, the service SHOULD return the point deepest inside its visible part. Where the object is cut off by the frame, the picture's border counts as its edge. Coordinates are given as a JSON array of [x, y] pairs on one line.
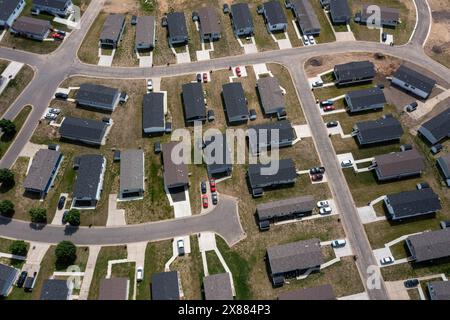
[[125, 270], [15, 87], [5, 141], [408, 270], [214, 265], [326, 33], [335, 91]]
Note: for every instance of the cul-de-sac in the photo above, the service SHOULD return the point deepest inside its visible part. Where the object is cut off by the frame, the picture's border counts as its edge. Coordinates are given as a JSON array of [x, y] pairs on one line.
[[224, 150]]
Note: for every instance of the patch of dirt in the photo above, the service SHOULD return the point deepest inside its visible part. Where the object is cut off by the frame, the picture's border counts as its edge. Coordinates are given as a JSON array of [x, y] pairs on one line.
[[121, 6], [438, 44]]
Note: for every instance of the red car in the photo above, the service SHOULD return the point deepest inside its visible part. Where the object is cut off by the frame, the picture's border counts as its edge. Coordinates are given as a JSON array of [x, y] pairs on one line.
[[205, 201], [205, 77], [57, 36], [328, 108], [316, 177], [238, 71], [212, 185]]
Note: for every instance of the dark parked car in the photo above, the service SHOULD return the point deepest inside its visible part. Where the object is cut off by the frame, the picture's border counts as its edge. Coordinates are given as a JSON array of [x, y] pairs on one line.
[[252, 113], [411, 107], [422, 185], [60, 95], [332, 124], [384, 36], [445, 224], [405, 147], [436, 148], [61, 202], [317, 177], [157, 147], [64, 217], [264, 225], [134, 20], [203, 187], [199, 77], [411, 283], [21, 279]]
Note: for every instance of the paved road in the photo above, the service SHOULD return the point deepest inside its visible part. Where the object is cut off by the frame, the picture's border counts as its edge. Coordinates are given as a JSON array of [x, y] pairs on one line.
[[54, 68], [223, 220]]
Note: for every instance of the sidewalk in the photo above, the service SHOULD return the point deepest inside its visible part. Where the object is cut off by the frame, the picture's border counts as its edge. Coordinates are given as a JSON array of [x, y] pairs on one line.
[[10, 73]]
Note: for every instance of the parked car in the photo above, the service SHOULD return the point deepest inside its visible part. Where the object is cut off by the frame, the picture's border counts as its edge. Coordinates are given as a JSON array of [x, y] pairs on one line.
[[157, 147], [317, 177], [226, 8], [346, 163], [325, 210], [63, 33], [311, 39], [54, 110], [324, 103], [134, 20], [199, 77], [57, 36], [35, 12], [264, 225], [214, 198], [317, 170], [323, 203], [445, 224], [387, 260], [405, 147], [203, 187], [338, 243], [210, 115], [238, 71], [64, 217], [61, 95], [61, 202], [317, 83], [252, 114], [411, 107], [436, 148], [149, 85], [205, 201], [205, 77], [180, 246], [212, 185], [411, 283], [332, 124], [329, 108], [51, 116], [139, 274], [384, 37], [20, 281], [305, 40], [422, 185]]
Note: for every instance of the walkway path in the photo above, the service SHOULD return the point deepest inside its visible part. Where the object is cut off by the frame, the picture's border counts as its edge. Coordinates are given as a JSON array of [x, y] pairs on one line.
[[89, 272]]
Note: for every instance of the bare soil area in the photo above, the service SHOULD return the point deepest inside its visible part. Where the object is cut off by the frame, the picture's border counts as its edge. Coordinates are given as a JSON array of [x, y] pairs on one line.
[[438, 44], [121, 6]]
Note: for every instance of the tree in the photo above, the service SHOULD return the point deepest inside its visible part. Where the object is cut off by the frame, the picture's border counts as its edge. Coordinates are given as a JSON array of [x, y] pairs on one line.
[[66, 253], [8, 127], [6, 177], [6, 208], [19, 248], [73, 217], [38, 215]]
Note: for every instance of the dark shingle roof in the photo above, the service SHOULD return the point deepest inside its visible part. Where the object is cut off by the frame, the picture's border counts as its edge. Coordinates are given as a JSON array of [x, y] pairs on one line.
[[7, 7], [83, 129], [209, 21], [174, 174], [355, 70], [399, 163], [54, 290], [384, 129], [274, 12], [270, 93], [285, 133], [153, 110], [193, 101], [340, 8], [285, 207], [7, 274], [306, 16], [234, 98], [387, 14], [132, 170], [286, 173], [88, 176], [413, 203], [96, 93], [218, 287], [216, 161], [165, 286], [114, 289], [176, 24], [323, 292], [414, 78], [430, 245], [57, 4], [439, 125], [444, 163], [145, 30], [44, 162], [298, 255], [439, 290], [242, 18], [366, 98], [112, 27], [31, 25]]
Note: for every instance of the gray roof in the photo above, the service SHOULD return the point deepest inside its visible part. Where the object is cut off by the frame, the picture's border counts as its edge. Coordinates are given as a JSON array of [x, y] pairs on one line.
[[285, 207], [242, 18], [306, 16], [83, 129], [387, 14], [7, 276], [193, 101], [286, 173], [384, 129], [112, 27], [355, 70], [366, 98], [153, 110], [439, 290], [217, 162], [145, 30], [430, 245], [165, 286], [298, 255], [218, 287], [234, 99], [7, 7], [399, 163], [114, 289], [274, 12], [41, 170], [285, 133], [340, 8], [209, 21], [323, 292], [270, 93], [88, 176], [414, 78], [444, 164], [53, 289], [57, 4], [174, 174], [176, 24], [132, 170], [412, 203], [95, 93], [438, 126], [31, 25]]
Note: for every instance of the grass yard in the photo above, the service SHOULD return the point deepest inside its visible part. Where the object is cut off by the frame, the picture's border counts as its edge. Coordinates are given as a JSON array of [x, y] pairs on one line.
[[125, 270], [408, 270], [101, 267], [15, 87], [335, 91], [214, 264], [19, 120], [88, 51], [399, 250], [156, 255], [326, 33], [125, 55], [413, 294]]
